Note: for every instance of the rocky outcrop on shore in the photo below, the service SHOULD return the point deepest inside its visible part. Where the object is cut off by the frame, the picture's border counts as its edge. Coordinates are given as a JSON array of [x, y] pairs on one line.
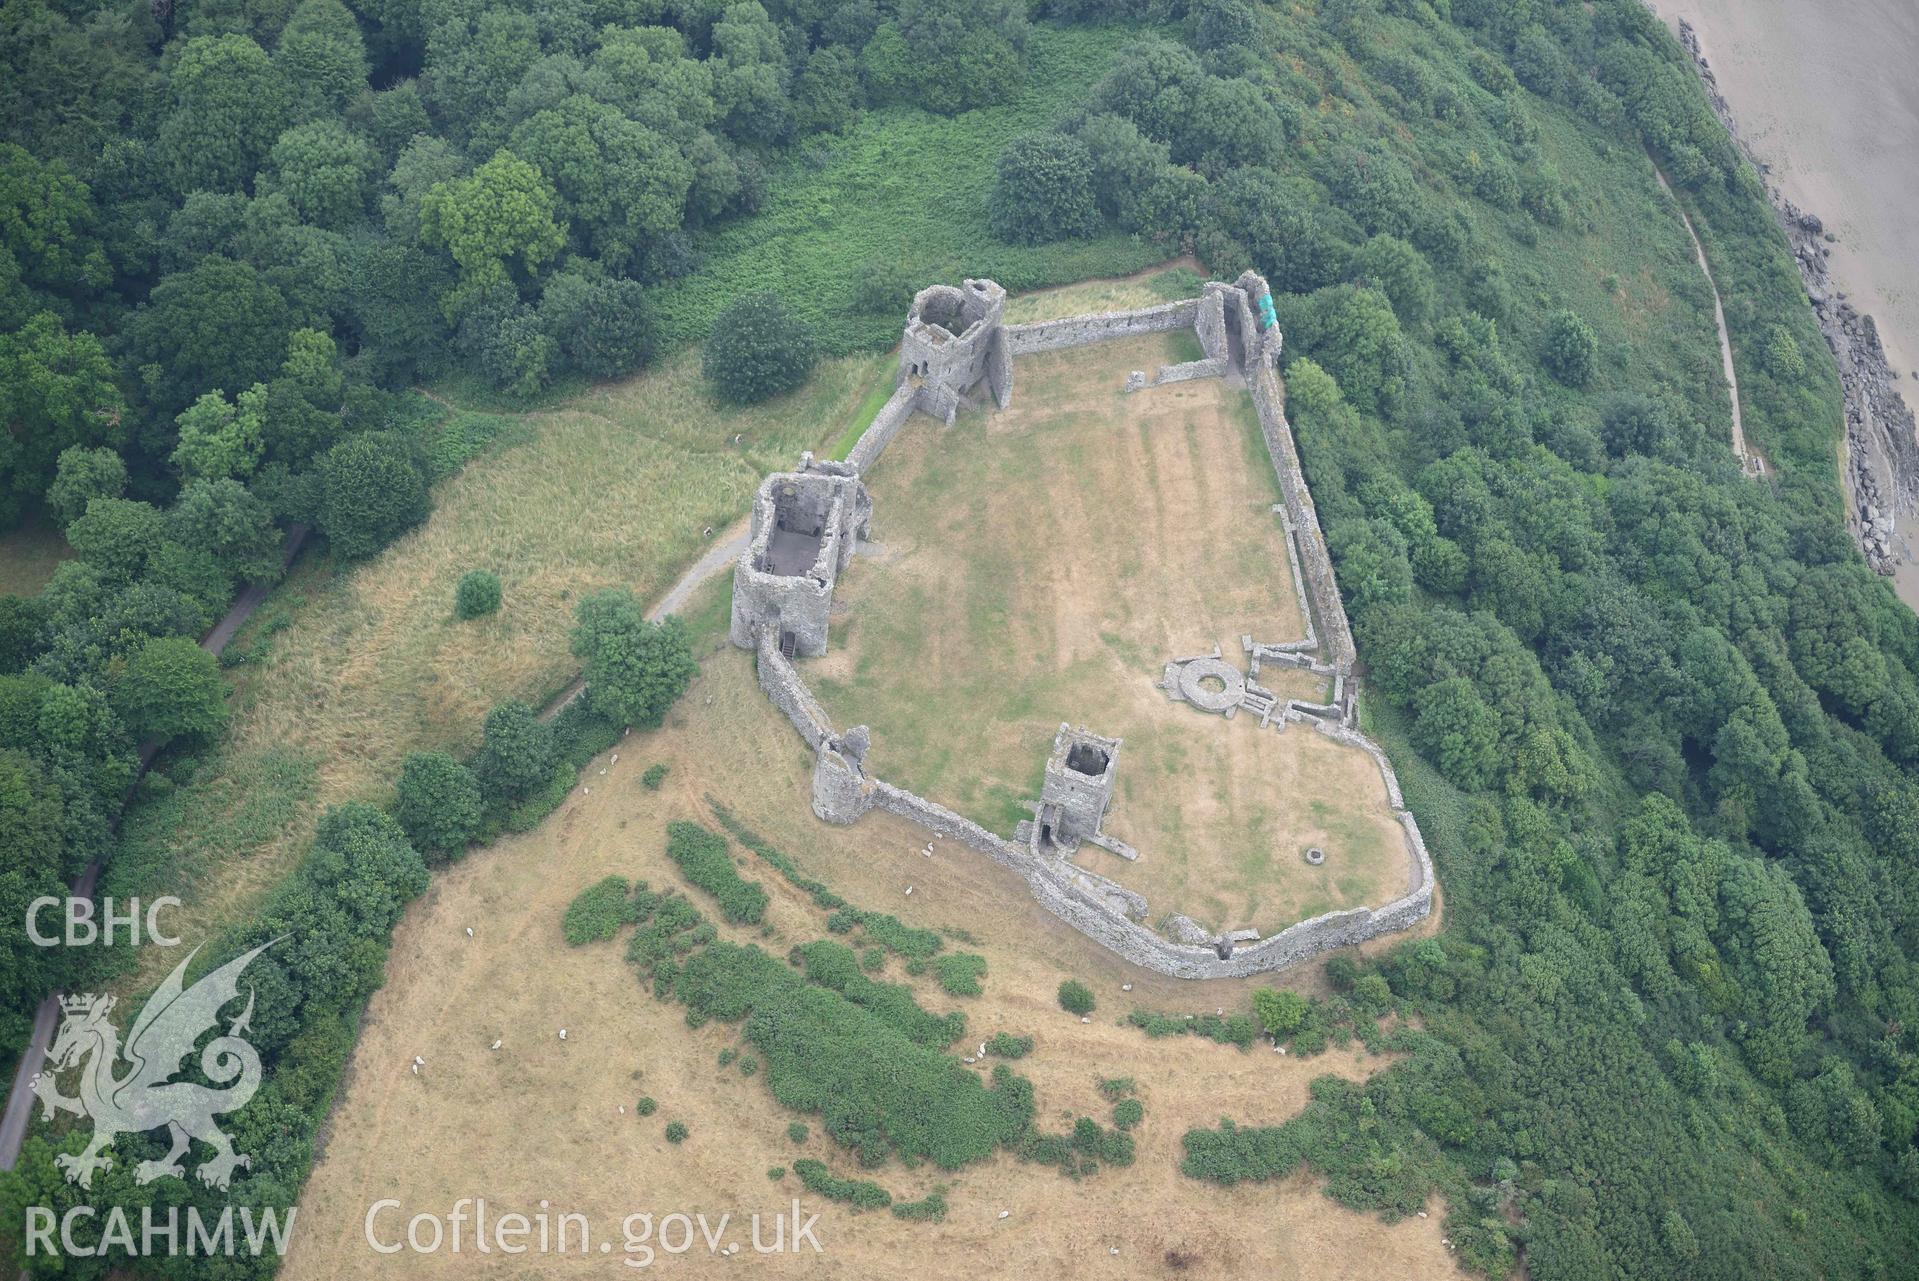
[[1882, 450]]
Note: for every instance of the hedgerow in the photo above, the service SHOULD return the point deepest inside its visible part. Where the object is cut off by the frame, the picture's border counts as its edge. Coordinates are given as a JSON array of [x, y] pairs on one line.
[[930, 1209], [1231, 1029], [703, 858], [861, 1194], [872, 1085], [834, 965], [880, 928]]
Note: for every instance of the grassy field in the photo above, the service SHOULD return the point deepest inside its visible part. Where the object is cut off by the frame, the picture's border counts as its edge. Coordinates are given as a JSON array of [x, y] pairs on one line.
[[540, 1118], [1180, 278], [903, 189], [1040, 565], [351, 668], [28, 556]]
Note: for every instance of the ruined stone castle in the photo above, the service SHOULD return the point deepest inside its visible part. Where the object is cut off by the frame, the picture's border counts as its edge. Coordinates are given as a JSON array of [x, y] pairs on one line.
[[957, 351]]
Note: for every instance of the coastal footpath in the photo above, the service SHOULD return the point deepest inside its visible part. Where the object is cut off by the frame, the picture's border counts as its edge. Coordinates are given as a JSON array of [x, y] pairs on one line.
[[1881, 465]]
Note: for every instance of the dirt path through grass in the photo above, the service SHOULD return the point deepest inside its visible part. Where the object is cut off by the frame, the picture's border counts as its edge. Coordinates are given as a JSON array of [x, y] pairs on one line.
[[1748, 459]]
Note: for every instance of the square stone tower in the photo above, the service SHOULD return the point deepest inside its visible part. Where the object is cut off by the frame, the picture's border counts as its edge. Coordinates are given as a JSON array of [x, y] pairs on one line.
[[954, 342], [806, 524], [1078, 789]]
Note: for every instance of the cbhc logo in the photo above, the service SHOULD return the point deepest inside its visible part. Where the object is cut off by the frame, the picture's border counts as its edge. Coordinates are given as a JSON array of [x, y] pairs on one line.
[[83, 930]]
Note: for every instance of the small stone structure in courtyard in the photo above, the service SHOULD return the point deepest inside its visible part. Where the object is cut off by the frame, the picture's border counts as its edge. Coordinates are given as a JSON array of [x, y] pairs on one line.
[[1077, 791], [808, 523]]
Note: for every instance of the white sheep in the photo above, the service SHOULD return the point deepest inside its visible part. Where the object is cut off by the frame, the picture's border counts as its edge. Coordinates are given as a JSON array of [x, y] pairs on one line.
[[469, 931], [563, 1034], [496, 1045]]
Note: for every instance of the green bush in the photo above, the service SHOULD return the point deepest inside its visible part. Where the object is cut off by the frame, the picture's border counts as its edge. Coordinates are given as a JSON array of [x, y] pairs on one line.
[[598, 911], [1007, 1046], [542, 801], [797, 1132], [959, 972], [372, 489], [438, 804], [1571, 349], [517, 752], [759, 349], [703, 858], [1043, 190], [1783, 358], [858, 1193], [775, 1172], [834, 965], [1279, 1012], [1117, 1087], [876, 1089], [1232, 1029], [1075, 997], [676, 1131], [477, 594], [1128, 1113], [647, 1105], [931, 1209], [654, 776], [634, 669]]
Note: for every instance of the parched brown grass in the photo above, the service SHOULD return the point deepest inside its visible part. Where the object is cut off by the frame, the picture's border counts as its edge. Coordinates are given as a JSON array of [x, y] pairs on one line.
[[539, 1119], [1041, 565], [615, 488], [1110, 293]]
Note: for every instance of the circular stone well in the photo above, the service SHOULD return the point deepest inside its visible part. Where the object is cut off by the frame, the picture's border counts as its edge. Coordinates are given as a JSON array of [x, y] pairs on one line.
[[1315, 855], [1196, 684]]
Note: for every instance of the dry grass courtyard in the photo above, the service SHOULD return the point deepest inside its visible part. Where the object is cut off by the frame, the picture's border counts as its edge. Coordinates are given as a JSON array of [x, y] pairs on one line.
[[1041, 565]]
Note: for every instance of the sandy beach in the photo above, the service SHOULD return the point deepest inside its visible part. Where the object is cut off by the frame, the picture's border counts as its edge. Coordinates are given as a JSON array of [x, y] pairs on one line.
[[1828, 101]]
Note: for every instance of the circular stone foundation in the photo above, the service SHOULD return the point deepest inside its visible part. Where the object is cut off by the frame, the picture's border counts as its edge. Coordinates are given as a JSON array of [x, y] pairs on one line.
[[1197, 680], [1315, 855]]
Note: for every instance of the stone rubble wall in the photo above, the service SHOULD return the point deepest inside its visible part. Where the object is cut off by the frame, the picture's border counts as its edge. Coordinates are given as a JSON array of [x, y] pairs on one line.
[[1335, 633], [789, 693], [1211, 368], [885, 425], [1210, 323], [1078, 331]]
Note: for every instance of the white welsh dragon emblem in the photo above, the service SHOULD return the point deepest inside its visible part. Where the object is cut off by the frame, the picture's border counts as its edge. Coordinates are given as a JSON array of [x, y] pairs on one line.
[[145, 1098]]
